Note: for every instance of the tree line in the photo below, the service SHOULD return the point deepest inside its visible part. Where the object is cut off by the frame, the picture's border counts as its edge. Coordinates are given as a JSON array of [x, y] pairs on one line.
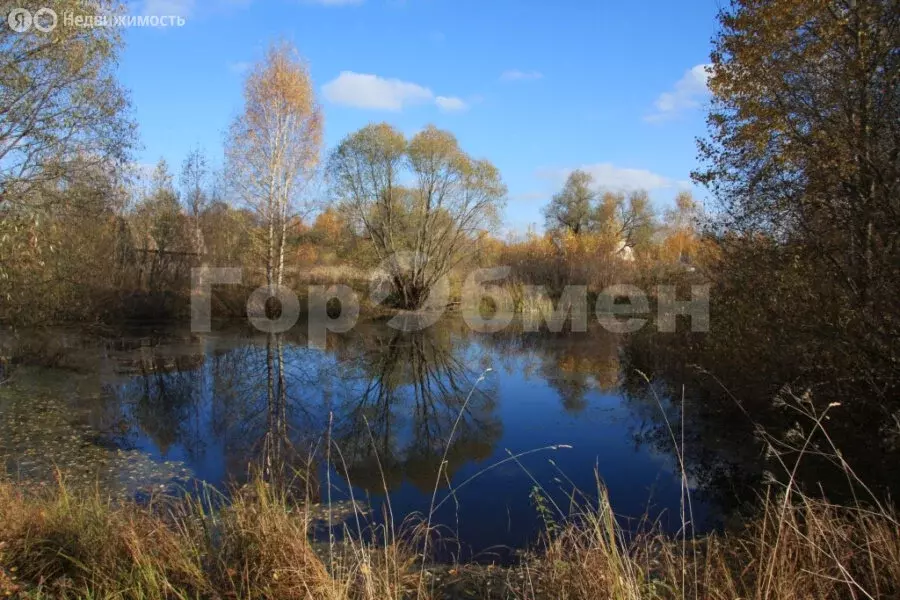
[[85, 235]]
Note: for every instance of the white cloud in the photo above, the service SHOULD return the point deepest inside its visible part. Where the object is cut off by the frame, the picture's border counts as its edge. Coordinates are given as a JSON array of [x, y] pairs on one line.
[[516, 75], [688, 93], [450, 104], [609, 176], [363, 90]]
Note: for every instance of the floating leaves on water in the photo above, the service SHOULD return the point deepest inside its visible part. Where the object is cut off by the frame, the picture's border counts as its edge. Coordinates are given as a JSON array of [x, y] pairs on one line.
[[41, 434]]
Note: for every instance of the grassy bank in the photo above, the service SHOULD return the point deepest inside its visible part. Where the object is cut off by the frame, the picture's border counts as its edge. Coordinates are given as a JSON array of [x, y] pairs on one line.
[[55, 543]]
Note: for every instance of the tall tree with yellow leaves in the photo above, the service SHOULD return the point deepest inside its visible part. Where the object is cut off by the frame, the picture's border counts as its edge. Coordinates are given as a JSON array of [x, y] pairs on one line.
[[274, 147], [681, 227]]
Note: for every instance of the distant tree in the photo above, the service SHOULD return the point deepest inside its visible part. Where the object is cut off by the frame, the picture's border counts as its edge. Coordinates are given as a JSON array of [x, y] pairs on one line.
[[629, 219], [160, 225], [227, 237], [439, 218], [162, 181], [163, 203], [638, 220], [685, 215], [329, 225], [571, 209], [274, 147], [681, 226], [194, 181]]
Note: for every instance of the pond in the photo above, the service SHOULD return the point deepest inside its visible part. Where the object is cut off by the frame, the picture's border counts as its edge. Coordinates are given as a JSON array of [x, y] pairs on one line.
[[159, 409]]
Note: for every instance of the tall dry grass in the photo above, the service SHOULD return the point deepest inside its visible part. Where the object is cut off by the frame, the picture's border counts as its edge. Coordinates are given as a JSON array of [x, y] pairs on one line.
[[797, 547], [55, 543], [811, 551]]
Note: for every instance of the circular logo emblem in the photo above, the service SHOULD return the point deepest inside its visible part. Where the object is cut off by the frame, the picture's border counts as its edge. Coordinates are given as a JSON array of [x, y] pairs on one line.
[[45, 19], [19, 20]]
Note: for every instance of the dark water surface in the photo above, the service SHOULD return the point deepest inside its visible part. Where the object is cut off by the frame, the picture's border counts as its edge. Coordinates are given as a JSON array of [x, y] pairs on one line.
[[157, 409]]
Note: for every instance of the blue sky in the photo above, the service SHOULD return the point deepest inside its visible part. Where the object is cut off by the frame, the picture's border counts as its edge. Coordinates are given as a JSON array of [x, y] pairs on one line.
[[538, 87]]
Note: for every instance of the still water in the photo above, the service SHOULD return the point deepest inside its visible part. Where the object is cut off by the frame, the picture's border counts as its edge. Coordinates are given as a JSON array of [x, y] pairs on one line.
[[159, 409]]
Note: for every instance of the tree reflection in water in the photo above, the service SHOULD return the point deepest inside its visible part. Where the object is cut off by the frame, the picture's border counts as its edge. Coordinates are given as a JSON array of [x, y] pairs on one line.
[[385, 403], [573, 364], [238, 402], [732, 399], [404, 393], [266, 402]]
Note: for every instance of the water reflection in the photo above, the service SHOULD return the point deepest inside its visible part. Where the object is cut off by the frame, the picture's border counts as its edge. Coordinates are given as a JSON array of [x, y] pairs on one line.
[[402, 394], [572, 364], [374, 412]]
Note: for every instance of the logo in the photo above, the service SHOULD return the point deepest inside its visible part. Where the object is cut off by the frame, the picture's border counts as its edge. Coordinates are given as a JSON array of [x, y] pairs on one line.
[[45, 20], [19, 20]]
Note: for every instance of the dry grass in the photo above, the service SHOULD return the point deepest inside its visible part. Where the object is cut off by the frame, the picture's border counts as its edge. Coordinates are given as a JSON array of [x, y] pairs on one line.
[[812, 551], [796, 547], [73, 546], [58, 544]]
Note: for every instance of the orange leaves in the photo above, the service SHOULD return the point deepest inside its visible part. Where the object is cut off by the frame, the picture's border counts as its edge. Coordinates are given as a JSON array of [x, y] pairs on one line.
[[329, 224], [279, 96], [564, 259], [589, 245], [678, 245]]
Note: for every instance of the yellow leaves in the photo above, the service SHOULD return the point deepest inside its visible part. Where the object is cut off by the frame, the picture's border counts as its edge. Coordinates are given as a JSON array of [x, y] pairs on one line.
[[587, 245], [433, 144], [679, 244], [282, 119], [329, 223]]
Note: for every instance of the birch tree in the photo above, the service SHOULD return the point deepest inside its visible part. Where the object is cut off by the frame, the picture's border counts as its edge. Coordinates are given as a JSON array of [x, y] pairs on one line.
[[274, 147], [194, 175]]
